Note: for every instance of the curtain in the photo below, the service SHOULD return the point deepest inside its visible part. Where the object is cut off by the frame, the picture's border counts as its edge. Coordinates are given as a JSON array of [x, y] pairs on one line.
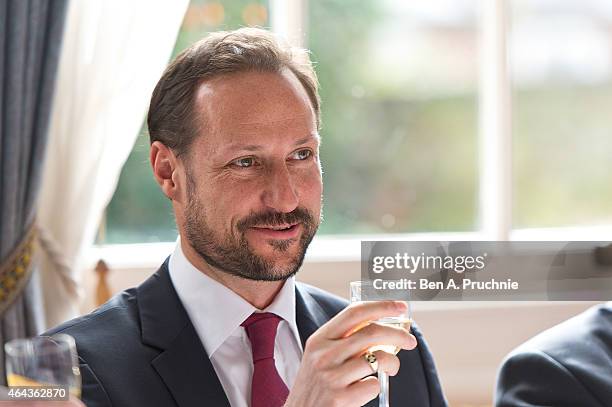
[[114, 53], [30, 40]]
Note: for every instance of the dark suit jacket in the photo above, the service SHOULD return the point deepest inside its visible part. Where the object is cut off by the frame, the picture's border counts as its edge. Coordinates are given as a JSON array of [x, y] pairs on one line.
[[141, 349], [568, 365]]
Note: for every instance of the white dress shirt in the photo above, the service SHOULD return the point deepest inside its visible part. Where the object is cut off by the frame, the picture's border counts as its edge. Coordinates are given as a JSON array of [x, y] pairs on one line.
[[216, 312]]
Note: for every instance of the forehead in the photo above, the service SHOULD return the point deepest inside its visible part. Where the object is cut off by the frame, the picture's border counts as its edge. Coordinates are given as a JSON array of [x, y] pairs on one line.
[[254, 106]]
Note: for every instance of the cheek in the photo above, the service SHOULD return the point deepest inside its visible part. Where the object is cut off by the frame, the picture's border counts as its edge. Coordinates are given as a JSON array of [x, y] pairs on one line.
[[232, 201], [310, 190]]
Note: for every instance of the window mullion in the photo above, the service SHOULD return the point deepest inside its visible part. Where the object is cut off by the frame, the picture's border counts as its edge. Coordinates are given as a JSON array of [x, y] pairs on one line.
[[495, 138], [289, 19]]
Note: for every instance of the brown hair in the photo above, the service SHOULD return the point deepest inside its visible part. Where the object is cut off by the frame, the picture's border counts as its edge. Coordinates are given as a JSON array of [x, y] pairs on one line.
[[170, 119]]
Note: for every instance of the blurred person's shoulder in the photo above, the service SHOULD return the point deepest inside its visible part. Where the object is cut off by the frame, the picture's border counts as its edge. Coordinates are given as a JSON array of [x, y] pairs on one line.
[[570, 362], [587, 331]]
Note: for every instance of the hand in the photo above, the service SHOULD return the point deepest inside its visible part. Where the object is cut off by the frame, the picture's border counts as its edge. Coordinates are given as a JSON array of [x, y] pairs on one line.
[[333, 371]]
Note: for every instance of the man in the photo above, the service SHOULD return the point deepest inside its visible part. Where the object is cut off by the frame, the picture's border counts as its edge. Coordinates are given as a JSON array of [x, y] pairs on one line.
[[568, 365], [234, 145]]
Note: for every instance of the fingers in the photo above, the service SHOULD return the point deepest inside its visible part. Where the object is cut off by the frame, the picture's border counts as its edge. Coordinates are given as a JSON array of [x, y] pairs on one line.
[[361, 392], [334, 370], [357, 314], [358, 367], [375, 335]]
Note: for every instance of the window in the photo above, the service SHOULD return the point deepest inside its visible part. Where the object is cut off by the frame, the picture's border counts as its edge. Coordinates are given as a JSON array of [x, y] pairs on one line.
[[561, 71], [415, 97], [399, 88]]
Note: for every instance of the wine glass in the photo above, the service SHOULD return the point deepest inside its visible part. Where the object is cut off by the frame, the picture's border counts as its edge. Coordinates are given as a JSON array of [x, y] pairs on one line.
[[364, 291], [44, 361]]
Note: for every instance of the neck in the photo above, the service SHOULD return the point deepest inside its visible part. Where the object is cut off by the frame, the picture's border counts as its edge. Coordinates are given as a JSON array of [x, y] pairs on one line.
[[260, 294]]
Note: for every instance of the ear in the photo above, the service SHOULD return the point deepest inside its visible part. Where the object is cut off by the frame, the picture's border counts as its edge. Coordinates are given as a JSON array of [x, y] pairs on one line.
[[166, 170]]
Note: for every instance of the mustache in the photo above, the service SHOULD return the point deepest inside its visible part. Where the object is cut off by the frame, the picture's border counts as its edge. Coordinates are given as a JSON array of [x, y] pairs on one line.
[[274, 218]]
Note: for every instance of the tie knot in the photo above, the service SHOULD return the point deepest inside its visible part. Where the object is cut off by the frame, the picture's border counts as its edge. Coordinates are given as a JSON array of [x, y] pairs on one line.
[[261, 330]]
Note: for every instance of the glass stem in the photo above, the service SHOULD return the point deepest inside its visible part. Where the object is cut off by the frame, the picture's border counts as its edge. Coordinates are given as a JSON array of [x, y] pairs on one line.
[[383, 397]]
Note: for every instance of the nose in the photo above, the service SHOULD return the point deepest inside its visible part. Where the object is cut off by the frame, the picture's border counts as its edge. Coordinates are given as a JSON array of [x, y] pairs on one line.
[[279, 193]]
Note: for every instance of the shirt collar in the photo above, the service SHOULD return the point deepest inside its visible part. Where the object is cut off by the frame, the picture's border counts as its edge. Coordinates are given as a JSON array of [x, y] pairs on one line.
[[216, 311]]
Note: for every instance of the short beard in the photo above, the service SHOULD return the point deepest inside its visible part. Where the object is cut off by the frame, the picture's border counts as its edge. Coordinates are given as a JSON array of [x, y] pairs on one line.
[[233, 254]]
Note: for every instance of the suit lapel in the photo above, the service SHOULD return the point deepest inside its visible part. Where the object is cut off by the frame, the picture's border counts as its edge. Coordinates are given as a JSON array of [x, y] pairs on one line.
[[309, 315], [186, 369], [182, 364]]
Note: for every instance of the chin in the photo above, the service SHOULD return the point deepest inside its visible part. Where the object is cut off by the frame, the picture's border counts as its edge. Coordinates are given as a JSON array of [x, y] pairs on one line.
[[276, 248], [279, 252]]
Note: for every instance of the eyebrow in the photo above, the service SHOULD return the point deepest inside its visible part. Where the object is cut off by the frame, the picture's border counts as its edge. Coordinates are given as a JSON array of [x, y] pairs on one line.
[[313, 136], [258, 147]]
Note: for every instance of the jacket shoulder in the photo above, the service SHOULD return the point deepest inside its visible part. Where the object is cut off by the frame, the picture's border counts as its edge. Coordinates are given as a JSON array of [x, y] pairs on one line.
[[107, 332], [579, 333], [119, 307]]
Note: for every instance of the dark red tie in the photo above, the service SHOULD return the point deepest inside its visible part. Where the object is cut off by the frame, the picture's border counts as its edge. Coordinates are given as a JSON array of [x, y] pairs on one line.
[[268, 389]]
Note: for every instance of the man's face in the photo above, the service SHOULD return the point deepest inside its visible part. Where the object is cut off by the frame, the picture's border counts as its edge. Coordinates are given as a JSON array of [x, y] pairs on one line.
[[253, 175]]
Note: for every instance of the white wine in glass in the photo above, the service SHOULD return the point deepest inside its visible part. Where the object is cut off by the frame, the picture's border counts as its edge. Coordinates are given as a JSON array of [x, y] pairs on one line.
[[363, 291], [44, 361]]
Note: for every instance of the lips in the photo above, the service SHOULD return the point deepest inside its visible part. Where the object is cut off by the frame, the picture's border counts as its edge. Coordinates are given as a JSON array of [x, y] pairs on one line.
[[282, 232], [277, 227]]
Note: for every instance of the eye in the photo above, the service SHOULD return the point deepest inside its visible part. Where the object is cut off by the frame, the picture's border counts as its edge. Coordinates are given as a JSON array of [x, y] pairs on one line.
[[301, 154], [244, 162]]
